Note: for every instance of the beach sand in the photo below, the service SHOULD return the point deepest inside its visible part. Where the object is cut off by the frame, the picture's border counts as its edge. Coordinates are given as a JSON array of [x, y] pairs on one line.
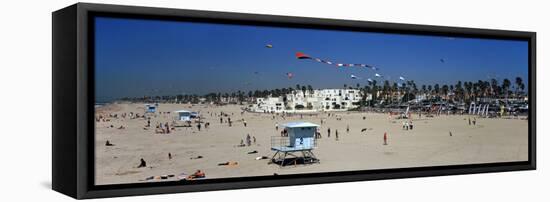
[[429, 144]]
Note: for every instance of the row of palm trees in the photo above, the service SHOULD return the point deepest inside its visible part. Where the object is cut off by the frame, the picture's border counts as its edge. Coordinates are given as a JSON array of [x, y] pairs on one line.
[[387, 91], [460, 92]]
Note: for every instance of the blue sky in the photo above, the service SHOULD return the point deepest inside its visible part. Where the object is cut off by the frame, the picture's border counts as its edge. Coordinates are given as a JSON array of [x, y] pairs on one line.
[[151, 57]]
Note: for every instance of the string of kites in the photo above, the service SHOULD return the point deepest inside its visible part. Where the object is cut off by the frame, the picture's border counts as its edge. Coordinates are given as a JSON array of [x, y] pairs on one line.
[[303, 56]]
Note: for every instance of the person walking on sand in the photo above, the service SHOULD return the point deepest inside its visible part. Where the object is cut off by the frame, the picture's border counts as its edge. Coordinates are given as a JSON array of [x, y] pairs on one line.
[[347, 129], [385, 138], [221, 120], [328, 130], [248, 141], [244, 122], [199, 126], [276, 126], [336, 133], [169, 156], [474, 122]]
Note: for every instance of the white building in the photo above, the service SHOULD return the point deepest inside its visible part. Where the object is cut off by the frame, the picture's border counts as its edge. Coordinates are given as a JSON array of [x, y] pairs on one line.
[[318, 100]]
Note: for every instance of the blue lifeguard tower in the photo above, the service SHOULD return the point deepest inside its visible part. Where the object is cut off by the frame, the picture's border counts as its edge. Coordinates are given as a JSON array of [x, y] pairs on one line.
[[298, 144], [149, 108]]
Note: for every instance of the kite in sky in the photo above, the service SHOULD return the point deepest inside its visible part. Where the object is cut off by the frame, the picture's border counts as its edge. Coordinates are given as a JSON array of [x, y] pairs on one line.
[[401, 78], [354, 77], [269, 46], [300, 55], [442, 60], [378, 75], [289, 75]]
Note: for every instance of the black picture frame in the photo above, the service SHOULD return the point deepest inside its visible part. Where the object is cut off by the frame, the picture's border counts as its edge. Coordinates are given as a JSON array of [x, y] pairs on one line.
[[73, 100]]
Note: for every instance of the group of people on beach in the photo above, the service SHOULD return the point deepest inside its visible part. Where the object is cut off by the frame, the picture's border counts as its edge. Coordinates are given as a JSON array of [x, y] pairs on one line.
[[408, 125], [249, 141]]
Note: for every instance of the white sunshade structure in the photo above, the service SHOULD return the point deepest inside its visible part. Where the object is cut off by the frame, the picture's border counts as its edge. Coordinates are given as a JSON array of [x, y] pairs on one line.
[[184, 115]]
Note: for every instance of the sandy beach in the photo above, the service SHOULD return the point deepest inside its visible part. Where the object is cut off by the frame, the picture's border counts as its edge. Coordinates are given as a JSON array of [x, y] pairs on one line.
[[430, 143]]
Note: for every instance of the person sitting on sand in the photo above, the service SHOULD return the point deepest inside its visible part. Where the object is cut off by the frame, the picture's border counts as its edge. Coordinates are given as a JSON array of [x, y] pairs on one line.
[[241, 144], [197, 174], [228, 163], [107, 143], [121, 127], [142, 163]]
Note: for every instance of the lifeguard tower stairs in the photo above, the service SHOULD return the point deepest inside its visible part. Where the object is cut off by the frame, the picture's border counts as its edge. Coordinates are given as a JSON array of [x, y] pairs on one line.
[[297, 146]]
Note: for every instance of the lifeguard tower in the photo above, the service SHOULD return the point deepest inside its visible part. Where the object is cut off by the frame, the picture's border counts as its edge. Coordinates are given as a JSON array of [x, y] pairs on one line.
[[150, 108], [298, 144]]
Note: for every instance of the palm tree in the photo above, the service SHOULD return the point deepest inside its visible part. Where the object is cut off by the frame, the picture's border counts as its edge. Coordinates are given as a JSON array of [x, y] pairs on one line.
[[505, 87], [445, 91], [423, 89], [374, 92], [386, 89], [437, 89], [519, 83], [310, 89]]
